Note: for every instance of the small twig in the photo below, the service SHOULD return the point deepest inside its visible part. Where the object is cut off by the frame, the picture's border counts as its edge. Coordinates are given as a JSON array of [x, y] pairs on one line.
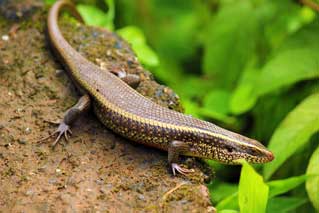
[[310, 4], [172, 190]]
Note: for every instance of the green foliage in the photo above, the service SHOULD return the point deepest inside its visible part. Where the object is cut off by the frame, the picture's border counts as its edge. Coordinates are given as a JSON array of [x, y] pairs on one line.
[[296, 60], [312, 184], [253, 191], [136, 38], [221, 190], [285, 204], [278, 187], [230, 202], [97, 17], [228, 211], [249, 65], [243, 97], [294, 132], [234, 39], [49, 2]]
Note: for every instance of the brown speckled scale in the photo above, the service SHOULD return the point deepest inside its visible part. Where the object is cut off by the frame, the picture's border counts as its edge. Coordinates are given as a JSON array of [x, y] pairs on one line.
[[128, 113]]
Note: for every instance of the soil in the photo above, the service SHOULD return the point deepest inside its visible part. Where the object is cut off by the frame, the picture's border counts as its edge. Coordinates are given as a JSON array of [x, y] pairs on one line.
[[96, 170]]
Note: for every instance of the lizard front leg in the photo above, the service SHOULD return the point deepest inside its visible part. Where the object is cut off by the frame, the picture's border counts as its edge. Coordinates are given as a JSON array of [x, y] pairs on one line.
[[70, 116], [174, 150]]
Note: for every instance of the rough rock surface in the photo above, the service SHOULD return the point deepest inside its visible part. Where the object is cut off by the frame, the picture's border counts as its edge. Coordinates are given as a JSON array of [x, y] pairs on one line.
[[96, 170]]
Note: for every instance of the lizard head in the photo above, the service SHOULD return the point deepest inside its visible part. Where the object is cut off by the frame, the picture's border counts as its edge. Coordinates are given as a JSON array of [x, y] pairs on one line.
[[250, 150], [229, 148]]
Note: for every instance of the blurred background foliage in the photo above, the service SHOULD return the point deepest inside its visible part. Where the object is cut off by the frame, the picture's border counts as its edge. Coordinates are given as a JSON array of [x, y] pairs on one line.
[[251, 66]]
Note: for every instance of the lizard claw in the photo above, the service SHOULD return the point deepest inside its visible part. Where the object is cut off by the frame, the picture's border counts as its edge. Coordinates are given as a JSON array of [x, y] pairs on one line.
[[63, 129], [177, 168]]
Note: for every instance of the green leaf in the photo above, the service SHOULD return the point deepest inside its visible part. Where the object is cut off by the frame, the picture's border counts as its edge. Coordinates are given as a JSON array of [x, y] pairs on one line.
[[296, 60], [220, 190], [94, 16], [190, 86], [110, 14], [288, 17], [230, 202], [135, 36], [244, 98], [287, 68], [211, 114], [191, 108], [230, 42], [217, 101], [253, 192], [312, 184], [285, 204], [216, 106], [49, 2], [278, 187], [228, 211], [293, 132], [178, 39]]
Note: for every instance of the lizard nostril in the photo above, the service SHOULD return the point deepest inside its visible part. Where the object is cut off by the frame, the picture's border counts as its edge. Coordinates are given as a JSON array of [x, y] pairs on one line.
[[271, 156]]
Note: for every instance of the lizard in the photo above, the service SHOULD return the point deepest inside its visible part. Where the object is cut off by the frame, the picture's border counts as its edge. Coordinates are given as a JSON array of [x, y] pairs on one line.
[[127, 113]]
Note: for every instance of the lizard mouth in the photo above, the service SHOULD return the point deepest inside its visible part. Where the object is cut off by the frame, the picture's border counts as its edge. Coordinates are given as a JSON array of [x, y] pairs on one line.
[[268, 157]]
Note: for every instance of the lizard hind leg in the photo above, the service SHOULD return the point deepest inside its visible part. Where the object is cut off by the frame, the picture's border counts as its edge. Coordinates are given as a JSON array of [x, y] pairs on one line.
[[174, 150], [131, 79]]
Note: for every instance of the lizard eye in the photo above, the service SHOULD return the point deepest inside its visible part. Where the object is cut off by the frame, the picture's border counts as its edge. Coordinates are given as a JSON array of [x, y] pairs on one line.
[[254, 152], [229, 149]]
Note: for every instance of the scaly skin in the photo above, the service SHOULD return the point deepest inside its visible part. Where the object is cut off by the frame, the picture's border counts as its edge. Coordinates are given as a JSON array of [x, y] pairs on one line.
[[128, 113]]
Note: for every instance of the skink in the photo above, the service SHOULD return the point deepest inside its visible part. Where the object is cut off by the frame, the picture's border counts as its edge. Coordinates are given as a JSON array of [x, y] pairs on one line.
[[126, 112]]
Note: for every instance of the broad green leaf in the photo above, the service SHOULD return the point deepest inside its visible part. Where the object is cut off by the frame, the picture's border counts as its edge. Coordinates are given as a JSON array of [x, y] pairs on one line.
[[253, 192], [228, 211], [216, 106], [312, 184], [192, 86], [178, 37], [285, 204], [217, 101], [91, 14], [244, 97], [94, 16], [135, 36], [211, 114], [175, 77], [288, 18], [110, 14], [191, 108], [305, 37], [278, 187], [230, 202], [287, 68], [220, 190], [278, 106], [294, 131], [296, 60], [230, 42]]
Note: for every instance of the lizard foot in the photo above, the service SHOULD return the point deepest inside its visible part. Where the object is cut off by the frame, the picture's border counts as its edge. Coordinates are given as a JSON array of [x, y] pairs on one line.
[[177, 168], [63, 129]]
